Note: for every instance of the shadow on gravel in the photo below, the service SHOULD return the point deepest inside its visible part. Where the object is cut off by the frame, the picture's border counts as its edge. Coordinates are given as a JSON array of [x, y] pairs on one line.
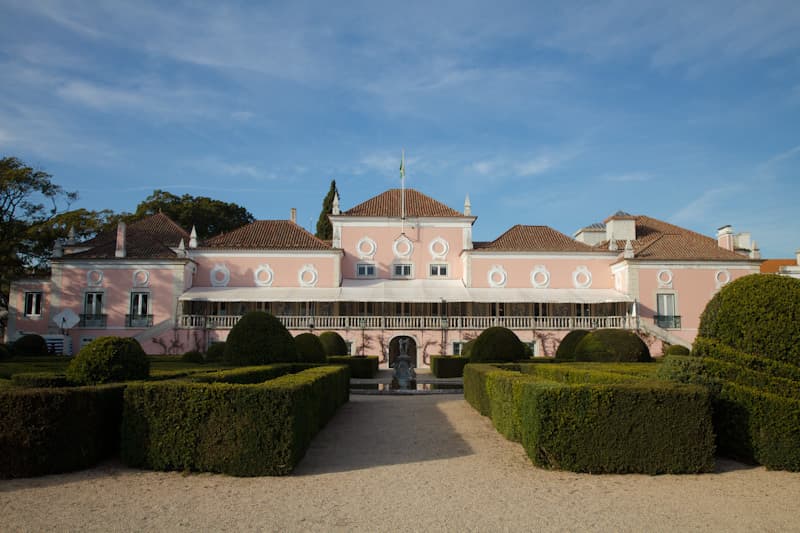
[[372, 431]]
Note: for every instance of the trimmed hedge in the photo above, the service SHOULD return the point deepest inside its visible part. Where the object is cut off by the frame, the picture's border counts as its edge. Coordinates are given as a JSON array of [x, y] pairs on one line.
[[714, 349], [497, 344], [448, 366], [5, 352], [109, 360], [248, 375], [677, 349], [48, 431], [566, 348], [361, 367], [259, 338], [29, 345], [611, 423], [612, 345], [215, 352], [40, 380], [193, 356], [309, 348], [333, 343], [758, 314], [241, 430]]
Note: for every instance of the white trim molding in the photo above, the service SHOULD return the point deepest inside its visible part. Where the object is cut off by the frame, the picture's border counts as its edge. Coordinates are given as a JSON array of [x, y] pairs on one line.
[[269, 275], [216, 281], [664, 278], [308, 281], [141, 278], [721, 278], [499, 271], [540, 277], [582, 271], [94, 278], [369, 253], [442, 252], [405, 242]]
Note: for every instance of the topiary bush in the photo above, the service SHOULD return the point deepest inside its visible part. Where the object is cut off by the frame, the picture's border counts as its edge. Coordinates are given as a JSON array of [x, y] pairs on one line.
[[677, 349], [109, 360], [5, 353], [497, 344], [612, 345], [309, 348], [215, 352], [259, 338], [30, 345], [333, 343], [566, 349], [758, 314], [466, 348], [193, 356]]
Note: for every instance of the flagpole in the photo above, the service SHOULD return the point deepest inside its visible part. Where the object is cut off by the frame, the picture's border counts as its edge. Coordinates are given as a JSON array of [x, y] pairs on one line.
[[403, 192]]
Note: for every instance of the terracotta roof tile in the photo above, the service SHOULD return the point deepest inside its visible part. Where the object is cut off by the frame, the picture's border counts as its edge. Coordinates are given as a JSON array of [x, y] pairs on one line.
[[534, 239], [773, 266], [388, 204], [657, 240], [268, 235], [149, 238]]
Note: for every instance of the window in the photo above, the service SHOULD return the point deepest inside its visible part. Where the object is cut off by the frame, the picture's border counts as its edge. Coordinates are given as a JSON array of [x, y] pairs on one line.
[[93, 311], [439, 270], [33, 304], [534, 346], [349, 347], [365, 270], [140, 316], [665, 312], [457, 347], [402, 270]]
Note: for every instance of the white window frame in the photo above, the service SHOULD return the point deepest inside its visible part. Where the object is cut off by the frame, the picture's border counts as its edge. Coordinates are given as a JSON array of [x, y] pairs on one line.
[[410, 274], [33, 304], [438, 268], [94, 294], [670, 295], [458, 347], [366, 266]]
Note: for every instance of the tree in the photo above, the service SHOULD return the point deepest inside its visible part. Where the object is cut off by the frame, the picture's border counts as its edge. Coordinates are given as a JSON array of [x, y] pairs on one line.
[[28, 199], [210, 217], [324, 227]]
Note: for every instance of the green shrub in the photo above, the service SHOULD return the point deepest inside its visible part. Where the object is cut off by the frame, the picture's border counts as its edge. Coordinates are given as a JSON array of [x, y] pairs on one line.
[[240, 430], [259, 338], [5, 353], [448, 366], [596, 423], [497, 344], [333, 343], [309, 348], [215, 352], [716, 350], [40, 380], [757, 314], [466, 349], [677, 349], [29, 345], [193, 356], [566, 348], [612, 345], [248, 375], [107, 360], [361, 367], [48, 431]]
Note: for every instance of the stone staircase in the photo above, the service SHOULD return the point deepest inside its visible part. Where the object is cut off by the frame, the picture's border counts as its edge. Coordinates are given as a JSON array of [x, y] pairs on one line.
[[664, 335]]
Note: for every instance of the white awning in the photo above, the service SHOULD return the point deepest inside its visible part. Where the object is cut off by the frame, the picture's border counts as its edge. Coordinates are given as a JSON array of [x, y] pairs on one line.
[[380, 290]]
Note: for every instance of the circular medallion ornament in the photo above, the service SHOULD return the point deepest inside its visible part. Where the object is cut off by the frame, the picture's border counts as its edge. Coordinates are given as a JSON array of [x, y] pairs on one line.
[[439, 248], [307, 276], [366, 248], [403, 247], [220, 276], [722, 277], [263, 276], [540, 277], [141, 278], [497, 276], [582, 278], [664, 279], [94, 278]]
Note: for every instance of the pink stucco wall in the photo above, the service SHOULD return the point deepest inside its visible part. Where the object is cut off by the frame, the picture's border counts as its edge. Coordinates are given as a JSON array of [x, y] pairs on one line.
[[384, 237], [519, 271], [31, 324], [285, 269]]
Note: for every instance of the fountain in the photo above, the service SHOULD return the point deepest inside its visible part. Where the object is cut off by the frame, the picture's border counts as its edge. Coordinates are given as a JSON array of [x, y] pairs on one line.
[[404, 373]]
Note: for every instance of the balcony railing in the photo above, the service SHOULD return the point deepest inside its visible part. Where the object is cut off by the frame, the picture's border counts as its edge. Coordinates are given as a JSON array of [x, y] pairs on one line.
[[92, 321], [667, 322], [420, 322], [138, 321]]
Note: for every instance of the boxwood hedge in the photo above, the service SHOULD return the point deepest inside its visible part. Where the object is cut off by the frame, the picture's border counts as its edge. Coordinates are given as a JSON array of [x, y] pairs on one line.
[[448, 366], [40, 379], [361, 367], [241, 430], [598, 422]]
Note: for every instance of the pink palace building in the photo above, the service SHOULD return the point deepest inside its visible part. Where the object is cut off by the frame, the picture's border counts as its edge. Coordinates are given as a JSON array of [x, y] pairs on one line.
[[400, 264]]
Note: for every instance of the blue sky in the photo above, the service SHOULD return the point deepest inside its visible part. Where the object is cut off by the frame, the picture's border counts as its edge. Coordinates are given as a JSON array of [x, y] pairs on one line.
[[558, 113]]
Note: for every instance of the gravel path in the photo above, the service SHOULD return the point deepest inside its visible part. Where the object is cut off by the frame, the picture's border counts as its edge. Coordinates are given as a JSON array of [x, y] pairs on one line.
[[424, 463]]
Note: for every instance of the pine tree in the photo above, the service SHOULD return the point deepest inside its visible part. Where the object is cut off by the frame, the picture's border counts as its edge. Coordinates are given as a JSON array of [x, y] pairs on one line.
[[324, 228]]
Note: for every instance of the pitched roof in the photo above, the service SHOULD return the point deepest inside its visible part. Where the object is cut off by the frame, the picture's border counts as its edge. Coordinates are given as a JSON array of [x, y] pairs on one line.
[[150, 238], [657, 240], [773, 266], [268, 235], [388, 204], [522, 238]]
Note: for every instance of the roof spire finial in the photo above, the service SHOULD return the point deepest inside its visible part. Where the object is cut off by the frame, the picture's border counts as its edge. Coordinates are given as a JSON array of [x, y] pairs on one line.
[[193, 238], [467, 206]]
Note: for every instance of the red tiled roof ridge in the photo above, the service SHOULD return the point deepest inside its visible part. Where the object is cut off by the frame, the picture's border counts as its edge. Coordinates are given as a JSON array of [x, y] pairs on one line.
[[529, 238], [388, 204], [268, 234]]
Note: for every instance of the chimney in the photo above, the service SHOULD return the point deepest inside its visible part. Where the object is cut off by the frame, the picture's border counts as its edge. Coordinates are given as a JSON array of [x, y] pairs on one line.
[[293, 215], [120, 249], [725, 237], [467, 207], [58, 249], [797, 256], [755, 253], [621, 226], [628, 252], [193, 238]]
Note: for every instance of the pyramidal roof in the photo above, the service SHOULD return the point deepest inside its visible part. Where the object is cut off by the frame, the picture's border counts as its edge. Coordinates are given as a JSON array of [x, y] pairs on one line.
[[389, 204], [268, 235], [150, 238], [522, 238]]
